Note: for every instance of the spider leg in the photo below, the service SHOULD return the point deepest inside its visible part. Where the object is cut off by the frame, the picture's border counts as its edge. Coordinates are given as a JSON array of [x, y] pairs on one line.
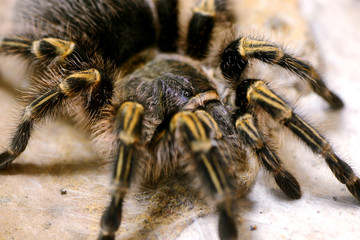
[[128, 127], [236, 55], [43, 106], [248, 130], [200, 29], [168, 21], [256, 93], [199, 132], [45, 49]]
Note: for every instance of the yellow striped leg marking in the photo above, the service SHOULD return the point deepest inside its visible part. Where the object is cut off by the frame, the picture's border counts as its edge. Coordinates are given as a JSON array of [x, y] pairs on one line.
[[312, 136], [210, 122], [212, 173], [248, 47], [206, 7], [36, 105], [246, 124], [200, 142], [272, 54], [131, 114], [201, 99], [87, 78], [16, 42], [259, 92], [119, 177], [62, 48]]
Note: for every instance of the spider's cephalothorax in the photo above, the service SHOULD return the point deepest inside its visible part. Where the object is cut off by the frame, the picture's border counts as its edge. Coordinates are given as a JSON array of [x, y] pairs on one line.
[[137, 73]]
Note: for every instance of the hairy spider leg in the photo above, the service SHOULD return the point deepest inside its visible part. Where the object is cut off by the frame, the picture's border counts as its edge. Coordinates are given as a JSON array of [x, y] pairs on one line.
[[199, 131], [43, 106], [168, 11], [44, 49], [200, 29], [252, 137], [17, 45], [236, 55], [258, 94], [128, 121]]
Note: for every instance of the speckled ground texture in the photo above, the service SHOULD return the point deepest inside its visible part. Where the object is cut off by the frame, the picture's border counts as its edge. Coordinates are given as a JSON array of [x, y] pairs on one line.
[[58, 187]]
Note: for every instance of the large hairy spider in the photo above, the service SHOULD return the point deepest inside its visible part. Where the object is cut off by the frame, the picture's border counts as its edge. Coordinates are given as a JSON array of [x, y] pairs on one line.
[[143, 77]]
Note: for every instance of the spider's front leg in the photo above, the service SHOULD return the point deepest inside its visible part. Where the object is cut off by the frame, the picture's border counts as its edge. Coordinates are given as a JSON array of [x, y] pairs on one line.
[[128, 123], [199, 132], [256, 93], [44, 105], [252, 137], [236, 55]]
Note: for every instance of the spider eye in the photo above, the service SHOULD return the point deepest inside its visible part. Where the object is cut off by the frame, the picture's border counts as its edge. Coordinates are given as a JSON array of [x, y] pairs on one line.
[[186, 93]]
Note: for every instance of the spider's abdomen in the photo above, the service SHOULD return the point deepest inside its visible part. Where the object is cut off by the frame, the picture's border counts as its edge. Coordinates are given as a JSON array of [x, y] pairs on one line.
[[116, 29]]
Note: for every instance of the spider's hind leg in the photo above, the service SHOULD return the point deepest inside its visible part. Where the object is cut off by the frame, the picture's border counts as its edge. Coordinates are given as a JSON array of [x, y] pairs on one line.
[[256, 93], [236, 55]]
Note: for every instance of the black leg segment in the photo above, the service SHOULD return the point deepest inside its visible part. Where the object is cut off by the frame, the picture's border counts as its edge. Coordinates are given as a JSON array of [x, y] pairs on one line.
[[168, 11], [199, 131], [236, 55], [252, 137], [258, 94], [200, 29], [43, 106], [128, 128]]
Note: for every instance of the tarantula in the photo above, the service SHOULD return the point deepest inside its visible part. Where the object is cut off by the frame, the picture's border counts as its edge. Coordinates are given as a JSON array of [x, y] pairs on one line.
[[142, 76]]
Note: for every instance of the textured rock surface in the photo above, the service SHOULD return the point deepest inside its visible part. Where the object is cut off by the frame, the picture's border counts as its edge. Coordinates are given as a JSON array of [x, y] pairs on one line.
[[59, 159]]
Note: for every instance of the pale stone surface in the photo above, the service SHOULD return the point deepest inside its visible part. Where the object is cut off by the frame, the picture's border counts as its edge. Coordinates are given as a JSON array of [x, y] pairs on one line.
[[59, 158]]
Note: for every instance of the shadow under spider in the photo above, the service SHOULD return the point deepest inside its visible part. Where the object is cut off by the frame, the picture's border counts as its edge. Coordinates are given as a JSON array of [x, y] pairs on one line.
[[54, 168]]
